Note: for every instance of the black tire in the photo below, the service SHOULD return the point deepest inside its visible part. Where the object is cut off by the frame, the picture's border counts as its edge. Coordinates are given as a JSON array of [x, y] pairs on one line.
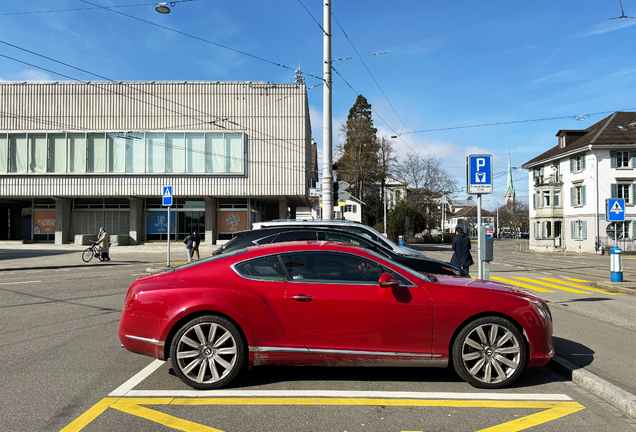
[[87, 255], [490, 353], [208, 352]]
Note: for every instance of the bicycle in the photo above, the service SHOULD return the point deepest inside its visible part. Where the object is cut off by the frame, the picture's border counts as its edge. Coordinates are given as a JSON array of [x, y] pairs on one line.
[[91, 252]]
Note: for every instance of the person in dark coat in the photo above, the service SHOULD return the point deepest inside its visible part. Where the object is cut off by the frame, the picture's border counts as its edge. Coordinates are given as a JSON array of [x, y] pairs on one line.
[[461, 247], [189, 242], [196, 241]]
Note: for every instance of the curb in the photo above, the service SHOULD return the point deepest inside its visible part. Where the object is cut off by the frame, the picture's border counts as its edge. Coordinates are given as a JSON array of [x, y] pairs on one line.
[[607, 391], [619, 287]]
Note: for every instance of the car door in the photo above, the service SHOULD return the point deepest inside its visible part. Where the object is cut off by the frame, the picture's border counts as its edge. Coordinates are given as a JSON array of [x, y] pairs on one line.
[[336, 304]]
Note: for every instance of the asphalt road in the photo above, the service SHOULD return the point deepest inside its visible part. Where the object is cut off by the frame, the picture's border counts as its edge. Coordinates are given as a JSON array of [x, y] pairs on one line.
[[63, 368]]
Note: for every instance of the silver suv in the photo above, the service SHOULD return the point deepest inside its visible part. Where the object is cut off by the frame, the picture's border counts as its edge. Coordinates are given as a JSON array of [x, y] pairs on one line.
[[344, 225]]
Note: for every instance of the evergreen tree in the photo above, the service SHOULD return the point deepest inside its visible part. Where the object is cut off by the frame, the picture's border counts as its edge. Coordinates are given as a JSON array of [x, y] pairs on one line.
[[358, 164]]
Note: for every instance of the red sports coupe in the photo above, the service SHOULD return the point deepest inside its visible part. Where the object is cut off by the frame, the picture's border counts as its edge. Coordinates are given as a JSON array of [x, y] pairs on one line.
[[333, 304]]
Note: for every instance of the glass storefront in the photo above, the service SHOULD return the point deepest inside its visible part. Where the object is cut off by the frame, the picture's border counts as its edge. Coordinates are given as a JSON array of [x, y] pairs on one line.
[[186, 216]]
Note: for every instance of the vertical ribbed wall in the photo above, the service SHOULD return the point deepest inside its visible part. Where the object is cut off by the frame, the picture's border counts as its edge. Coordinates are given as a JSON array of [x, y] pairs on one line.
[[274, 116]]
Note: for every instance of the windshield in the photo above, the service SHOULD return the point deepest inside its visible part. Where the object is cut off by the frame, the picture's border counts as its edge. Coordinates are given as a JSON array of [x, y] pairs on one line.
[[418, 275]]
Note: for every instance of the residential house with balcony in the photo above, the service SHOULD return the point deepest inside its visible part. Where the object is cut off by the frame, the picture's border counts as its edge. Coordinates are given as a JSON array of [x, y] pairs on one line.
[[570, 183]]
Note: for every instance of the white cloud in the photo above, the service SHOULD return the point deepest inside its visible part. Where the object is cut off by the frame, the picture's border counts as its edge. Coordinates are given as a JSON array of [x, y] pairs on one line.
[[34, 75], [610, 26]]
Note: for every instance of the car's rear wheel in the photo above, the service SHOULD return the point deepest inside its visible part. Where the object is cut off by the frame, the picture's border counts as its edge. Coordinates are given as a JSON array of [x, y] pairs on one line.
[[208, 352], [489, 352]]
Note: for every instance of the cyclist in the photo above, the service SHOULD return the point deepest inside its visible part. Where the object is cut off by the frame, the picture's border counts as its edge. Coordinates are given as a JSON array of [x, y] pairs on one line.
[[103, 244]]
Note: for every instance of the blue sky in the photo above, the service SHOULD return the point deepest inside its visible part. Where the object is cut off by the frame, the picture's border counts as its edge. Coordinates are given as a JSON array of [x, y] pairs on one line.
[[445, 65]]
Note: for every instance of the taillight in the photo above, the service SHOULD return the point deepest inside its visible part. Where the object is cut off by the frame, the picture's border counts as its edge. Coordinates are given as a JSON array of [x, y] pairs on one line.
[[131, 297]]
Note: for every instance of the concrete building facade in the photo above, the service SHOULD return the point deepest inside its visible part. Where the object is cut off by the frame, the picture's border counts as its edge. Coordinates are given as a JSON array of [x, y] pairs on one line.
[[77, 156]]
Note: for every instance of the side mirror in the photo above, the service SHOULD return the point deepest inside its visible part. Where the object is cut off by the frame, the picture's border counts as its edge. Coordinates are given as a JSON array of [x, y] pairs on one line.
[[387, 280]]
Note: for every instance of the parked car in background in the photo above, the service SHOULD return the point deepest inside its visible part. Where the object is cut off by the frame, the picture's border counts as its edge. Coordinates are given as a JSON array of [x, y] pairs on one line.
[[344, 225], [331, 304], [420, 263]]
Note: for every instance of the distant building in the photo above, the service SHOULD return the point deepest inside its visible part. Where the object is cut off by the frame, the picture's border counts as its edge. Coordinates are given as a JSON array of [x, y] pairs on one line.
[[570, 183], [509, 194]]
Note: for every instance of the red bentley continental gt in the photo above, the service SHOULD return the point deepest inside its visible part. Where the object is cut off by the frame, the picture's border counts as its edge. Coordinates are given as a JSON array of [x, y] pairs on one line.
[[332, 304]]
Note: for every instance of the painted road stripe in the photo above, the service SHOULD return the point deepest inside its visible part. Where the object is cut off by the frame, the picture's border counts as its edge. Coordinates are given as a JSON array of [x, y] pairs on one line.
[[553, 285], [343, 394], [17, 283], [550, 410], [577, 280], [581, 286], [135, 380], [521, 284]]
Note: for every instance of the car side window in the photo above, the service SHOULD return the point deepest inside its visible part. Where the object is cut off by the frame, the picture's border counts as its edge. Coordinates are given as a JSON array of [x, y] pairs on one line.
[[344, 238], [296, 235], [331, 267], [266, 268]]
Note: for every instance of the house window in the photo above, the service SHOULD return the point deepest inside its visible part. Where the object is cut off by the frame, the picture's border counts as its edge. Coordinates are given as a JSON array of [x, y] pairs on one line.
[[578, 230], [351, 208], [557, 198], [546, 198], [577, 164], [622, 159], [577, 196], [562, 141], [621, 190]]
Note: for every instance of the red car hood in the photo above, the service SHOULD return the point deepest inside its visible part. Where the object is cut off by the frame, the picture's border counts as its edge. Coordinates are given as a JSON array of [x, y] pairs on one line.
[[485, 285]]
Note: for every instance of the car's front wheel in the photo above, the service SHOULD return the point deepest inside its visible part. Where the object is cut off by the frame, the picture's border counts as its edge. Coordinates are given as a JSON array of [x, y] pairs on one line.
[[208, 352], [489, 352]]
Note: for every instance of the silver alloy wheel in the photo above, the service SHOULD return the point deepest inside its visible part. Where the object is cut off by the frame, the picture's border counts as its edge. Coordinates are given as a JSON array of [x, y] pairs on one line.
[[206, 353], [491, 353]]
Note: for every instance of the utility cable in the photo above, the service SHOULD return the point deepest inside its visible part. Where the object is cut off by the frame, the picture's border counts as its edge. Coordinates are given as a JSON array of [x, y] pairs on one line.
[[199, 39]]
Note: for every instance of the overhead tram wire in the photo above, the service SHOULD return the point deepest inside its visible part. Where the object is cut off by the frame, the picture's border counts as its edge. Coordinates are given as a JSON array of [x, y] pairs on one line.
[[476, 39], [82, 9], [375, 80], [200, 39]]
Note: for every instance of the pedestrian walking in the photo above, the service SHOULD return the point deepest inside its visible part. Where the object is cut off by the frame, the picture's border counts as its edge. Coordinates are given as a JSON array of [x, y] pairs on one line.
[[189, 242], [103, 242], [195, 244], [461, 247]]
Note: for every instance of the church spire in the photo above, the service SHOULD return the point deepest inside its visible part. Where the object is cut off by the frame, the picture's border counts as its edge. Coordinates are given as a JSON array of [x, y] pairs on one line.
[[510, 187]]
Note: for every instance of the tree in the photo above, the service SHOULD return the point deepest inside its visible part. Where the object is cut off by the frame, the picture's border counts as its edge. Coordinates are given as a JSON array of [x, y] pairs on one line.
[[358, 163], [516, 218], [427, 182], [397, 217], [374, 210]]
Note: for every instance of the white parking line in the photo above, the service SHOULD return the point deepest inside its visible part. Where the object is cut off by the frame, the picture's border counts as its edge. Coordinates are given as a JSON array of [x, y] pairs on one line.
[[123, 389], [346, 394], [16, 283], [126, 390]]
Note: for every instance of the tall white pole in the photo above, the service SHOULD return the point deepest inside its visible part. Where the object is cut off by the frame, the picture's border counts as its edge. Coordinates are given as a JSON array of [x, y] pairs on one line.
[[479, 239], [327, 175], [443, 211], [384, 196], [168, 258]]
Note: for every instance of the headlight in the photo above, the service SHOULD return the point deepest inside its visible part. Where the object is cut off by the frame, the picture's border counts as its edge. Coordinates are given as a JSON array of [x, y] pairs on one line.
[[543, 311]]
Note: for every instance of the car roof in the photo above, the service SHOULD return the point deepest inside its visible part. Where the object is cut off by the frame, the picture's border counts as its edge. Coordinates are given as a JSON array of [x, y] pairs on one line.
[[304, 245]]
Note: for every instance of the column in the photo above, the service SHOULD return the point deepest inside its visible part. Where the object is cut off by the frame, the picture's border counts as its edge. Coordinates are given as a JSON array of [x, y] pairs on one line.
[[211, 226], [282, 208], [62, 220], [136, 231]]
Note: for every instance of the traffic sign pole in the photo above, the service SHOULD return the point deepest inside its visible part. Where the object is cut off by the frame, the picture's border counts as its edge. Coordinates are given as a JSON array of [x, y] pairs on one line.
[[479, 239], [479, 181], [168, 258], [166, 197]]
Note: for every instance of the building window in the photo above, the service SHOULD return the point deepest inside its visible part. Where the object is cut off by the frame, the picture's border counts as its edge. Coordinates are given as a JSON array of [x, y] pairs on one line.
[[577, 196], [577, 164], [622, 191], [622, 159], [578, 230], [557, 198], [562, 141], [546, 198], [117, 152]]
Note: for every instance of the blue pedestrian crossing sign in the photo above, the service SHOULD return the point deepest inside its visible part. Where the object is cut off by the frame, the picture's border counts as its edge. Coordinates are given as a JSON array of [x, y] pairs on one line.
[[479, 174], [167, 195], [615, 210]]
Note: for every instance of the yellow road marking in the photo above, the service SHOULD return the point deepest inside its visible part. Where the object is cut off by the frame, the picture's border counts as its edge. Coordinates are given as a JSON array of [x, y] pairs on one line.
[[577, 280], [553, 286], [82, 421], [132, 406], [581, 286], [521, 284]]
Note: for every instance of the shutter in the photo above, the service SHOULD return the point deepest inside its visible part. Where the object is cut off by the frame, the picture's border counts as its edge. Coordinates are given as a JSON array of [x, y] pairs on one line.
[[582, 162], [633, 157], [583, 197], [633, 193], [534, 201], [613, 159], [572, 197], [634, 230], [572, 229], [541, 172], [571, 165], [584, 229], [543, 229], [614, 190]]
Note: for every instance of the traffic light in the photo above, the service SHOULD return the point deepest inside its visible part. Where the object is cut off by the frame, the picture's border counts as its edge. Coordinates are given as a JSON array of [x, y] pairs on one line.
[[334, 193]]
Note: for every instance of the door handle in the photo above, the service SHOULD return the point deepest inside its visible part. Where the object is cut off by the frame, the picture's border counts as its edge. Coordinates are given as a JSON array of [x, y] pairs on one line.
[[302, 298]]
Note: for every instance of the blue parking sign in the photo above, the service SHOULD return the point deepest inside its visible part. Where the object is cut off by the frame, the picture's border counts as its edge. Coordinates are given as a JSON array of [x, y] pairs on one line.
[[167, 195], [479, 174]]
